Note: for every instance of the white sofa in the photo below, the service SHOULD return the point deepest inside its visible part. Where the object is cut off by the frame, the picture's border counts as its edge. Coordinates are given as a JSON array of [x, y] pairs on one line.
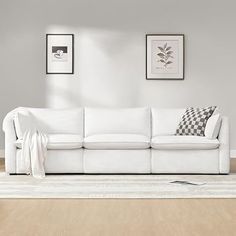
[[131, 140]]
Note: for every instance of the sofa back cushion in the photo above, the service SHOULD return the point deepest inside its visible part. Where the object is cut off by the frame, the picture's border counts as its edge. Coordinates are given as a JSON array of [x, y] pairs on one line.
[[58, 121], [165, 121], [117, 121], [213, 126]]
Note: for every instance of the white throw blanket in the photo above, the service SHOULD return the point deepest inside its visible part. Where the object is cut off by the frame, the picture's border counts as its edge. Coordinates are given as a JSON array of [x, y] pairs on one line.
[[34, 151], [34, 142]]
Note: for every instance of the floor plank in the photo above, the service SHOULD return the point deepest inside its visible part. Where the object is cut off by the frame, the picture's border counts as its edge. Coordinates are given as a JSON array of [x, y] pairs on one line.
[[118, 217], [108, 217]]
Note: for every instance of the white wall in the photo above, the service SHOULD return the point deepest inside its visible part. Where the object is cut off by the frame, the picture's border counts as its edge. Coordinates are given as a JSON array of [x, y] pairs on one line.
[[110, 54]]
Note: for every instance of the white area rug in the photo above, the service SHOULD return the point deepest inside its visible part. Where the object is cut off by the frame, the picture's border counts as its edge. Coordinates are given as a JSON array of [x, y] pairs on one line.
[[118, 186]]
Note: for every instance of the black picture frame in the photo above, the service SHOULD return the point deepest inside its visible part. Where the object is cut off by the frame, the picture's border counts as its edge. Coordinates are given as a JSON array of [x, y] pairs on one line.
[[183, 67], [72, 56]]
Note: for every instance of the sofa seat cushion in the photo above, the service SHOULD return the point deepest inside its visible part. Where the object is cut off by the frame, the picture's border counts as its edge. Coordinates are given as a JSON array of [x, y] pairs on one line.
[[184, 142], [60, 141], [116, 141]]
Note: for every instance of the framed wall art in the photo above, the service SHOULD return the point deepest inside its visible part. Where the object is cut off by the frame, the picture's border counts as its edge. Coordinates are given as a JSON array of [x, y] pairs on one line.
[[164, 56], [60, 54]]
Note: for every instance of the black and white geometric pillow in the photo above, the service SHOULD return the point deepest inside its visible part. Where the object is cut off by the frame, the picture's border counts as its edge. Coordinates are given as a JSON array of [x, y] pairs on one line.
[[194, 121]]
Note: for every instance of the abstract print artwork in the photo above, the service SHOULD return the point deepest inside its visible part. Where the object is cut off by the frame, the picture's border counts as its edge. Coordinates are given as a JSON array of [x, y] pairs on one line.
[[165, 56], [60, 54]]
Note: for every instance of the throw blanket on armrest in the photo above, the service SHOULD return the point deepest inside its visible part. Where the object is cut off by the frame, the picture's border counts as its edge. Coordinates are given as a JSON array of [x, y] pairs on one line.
[[34, 151], [34, 143]]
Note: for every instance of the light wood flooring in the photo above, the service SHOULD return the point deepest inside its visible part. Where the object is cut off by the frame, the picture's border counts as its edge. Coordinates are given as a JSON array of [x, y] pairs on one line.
[[123, 217]]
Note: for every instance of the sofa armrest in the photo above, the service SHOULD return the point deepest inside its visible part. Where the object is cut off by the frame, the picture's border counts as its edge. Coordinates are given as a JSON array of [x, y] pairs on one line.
[[224, 149], [10, 138]]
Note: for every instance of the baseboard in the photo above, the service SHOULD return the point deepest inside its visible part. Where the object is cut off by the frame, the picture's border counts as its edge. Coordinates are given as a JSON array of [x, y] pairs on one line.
[[232, 153]]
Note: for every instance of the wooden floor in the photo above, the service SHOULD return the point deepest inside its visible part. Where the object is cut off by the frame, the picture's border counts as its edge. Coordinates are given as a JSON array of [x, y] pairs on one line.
[[118, 217]]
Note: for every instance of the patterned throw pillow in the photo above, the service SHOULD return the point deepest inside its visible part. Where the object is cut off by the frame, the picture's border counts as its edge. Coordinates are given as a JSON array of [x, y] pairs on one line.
[[194, 121]]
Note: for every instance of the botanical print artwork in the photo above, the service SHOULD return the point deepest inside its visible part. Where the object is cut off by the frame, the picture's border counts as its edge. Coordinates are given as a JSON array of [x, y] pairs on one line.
[[165, 55]]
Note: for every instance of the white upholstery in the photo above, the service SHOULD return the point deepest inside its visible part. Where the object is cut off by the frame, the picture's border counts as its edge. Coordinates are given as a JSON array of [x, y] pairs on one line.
[[224, 148], [165, 121], [117, 161], [23, 120], [184, 142], [117, 141], [60, 141], [127, 133], [58, 161], [213, 126], [10, 138], [117, 121], [59, 121], [185, 161]]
